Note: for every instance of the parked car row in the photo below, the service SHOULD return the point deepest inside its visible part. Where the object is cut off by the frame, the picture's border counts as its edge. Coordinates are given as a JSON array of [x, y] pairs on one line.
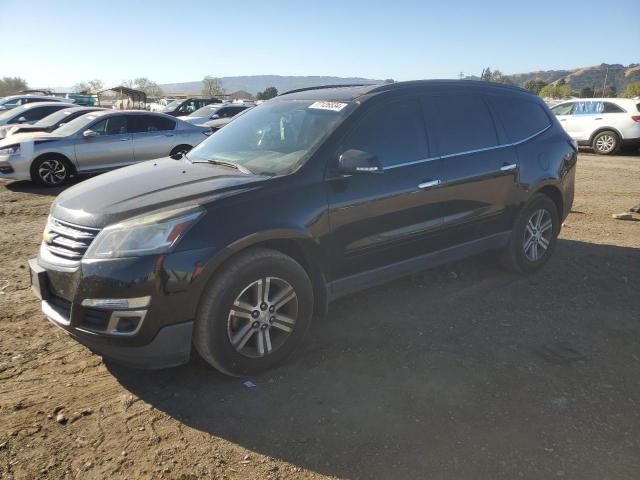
[[94, 142], [312, 195]]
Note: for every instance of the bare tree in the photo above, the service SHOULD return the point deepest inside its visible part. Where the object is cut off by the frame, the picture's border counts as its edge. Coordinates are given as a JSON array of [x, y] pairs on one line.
[[151, 88], [211, 86], [91, 86]]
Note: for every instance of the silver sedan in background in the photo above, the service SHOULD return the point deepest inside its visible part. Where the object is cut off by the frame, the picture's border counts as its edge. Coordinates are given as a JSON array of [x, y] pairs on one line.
[[96, 142]]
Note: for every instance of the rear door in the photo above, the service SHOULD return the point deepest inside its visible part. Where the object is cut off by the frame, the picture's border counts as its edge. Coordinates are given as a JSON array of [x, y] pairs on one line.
[[153, 136], [479, 169], [379, 219], [112, 147], [563, 112]]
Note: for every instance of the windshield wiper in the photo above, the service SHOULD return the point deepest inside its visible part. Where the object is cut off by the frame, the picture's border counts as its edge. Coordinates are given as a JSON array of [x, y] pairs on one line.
[[224, 164]]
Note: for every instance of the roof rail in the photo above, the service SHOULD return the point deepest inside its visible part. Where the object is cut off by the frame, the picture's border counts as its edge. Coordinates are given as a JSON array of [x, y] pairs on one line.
[[397, 85], [320, 87]]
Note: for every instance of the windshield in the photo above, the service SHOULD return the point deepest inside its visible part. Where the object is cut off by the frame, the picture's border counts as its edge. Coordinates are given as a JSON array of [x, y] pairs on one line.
[[75, 125], [53, 119], [172, 106], [273, 138], [205, 111]]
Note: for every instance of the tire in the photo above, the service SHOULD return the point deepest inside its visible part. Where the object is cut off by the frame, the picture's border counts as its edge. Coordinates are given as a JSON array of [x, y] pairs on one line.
[[180, 149], [606, 142], [227, 331], [519, 254], [51, 171]]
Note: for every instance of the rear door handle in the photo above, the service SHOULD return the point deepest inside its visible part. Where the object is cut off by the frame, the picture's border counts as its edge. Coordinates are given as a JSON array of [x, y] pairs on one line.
[[125, 139], [508, 167], [428, 184], [168, 134]]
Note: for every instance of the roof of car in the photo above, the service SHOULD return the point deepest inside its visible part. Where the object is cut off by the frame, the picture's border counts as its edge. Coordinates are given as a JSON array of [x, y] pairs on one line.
[[28, 106], [351, 92]]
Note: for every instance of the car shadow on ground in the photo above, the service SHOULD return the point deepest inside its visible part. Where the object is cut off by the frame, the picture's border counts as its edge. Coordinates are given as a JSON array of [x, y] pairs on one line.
[[25, 186], [461, 372]]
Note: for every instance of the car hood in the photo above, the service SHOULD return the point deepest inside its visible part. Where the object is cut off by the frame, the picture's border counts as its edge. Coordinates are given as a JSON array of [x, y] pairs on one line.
[[26, 136], [148, 186]]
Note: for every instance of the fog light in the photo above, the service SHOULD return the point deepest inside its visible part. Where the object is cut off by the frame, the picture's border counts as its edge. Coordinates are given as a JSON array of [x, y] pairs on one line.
[[116, 303]]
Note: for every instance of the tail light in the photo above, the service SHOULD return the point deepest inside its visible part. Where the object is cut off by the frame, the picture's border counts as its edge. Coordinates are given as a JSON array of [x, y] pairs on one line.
[[635, 118]]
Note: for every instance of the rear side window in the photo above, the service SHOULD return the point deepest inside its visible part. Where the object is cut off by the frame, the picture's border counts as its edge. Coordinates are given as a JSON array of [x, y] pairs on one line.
[[150, 123], [612, 108], [462, 123], [520, 118], [394, 132]]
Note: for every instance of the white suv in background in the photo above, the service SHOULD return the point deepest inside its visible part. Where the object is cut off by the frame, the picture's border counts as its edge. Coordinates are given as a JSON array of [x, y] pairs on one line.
[[604, 124]]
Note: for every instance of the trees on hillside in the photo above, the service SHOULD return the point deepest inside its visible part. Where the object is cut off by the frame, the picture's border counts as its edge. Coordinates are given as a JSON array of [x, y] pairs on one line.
[[534, 85], [587, 92], [268, 93], [12, 85], [555, 91], [495, 76], [632, 90], [211, 86]]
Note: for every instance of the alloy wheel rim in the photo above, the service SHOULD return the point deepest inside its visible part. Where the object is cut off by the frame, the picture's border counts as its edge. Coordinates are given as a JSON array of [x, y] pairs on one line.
[[605, 143], [262, 317], [52, 172], [537, 235]]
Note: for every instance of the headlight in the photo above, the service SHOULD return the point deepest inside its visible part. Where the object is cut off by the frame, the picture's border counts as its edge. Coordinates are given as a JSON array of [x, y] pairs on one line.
[[10, 150], [145, 235]]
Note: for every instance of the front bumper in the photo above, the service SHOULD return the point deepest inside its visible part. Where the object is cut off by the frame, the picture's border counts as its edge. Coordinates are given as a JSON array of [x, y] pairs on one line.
[[157, 335]]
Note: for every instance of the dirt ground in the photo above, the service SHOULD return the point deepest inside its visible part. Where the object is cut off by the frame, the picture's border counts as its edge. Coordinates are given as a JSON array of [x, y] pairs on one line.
[[464, 372]]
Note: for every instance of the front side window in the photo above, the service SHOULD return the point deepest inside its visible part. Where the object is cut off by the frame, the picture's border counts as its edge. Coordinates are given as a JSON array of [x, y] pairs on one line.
[[394, 132], [563, 109], [463, 123], [274, 138], [116, 125]]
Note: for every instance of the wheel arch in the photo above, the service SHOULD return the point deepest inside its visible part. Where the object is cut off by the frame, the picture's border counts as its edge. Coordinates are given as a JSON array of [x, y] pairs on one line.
[[604, 129], [57, 155], [297, 245], [554, 193]]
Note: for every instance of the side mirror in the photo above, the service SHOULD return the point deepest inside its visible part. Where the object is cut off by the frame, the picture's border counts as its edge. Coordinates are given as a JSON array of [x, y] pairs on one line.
[[358, 162], [89, 134], [214, 116], [22, 120]]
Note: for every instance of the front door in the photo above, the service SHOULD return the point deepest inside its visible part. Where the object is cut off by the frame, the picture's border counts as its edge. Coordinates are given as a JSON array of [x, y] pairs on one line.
[[382, 218], [112, 146]]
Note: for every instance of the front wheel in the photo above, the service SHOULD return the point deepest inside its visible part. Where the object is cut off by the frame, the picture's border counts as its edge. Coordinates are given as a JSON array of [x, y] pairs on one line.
[[50, 171], [606, 143], [534, 235], [254, 312]]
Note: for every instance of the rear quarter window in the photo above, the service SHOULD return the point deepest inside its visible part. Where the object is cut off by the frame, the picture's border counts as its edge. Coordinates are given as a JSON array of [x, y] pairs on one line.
[[520, 118]]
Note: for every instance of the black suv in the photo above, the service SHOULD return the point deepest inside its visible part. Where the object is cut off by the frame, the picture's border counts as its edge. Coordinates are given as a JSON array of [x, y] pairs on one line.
[[308, 197]]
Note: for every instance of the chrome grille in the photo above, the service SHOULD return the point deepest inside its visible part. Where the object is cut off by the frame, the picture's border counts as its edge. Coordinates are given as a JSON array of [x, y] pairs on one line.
[[66, 240]]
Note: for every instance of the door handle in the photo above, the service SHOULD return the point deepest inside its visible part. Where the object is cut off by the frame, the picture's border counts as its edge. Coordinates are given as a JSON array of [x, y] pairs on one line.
[[598, 118], [563, 119], [168, 135], [508, 167], [125, 139], [428, 184]]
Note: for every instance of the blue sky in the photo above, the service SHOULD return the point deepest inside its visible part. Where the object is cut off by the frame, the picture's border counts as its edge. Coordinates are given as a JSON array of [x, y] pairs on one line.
[[63, 42]]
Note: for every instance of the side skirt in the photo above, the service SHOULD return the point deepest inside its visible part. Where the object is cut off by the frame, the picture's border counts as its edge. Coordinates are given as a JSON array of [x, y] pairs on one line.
[[361, 281]]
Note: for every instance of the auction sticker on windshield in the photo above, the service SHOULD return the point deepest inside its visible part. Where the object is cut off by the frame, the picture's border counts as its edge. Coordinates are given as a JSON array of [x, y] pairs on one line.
[[335, 106]]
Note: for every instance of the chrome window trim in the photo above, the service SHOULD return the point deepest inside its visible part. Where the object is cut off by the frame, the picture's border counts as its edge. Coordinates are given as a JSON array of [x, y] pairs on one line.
[[468, 152]]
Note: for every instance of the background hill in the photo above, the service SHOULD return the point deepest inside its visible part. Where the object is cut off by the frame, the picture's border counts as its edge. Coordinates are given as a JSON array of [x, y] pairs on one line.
[[257, 83], [578, 78]]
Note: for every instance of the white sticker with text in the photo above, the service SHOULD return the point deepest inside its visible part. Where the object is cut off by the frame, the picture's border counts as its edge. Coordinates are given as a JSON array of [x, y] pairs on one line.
[[335, 106]]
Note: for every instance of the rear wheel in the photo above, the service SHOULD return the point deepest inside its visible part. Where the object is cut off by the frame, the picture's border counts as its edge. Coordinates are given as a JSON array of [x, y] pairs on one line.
[[51, 171], [606, 143], [254, 312], [534, 235]]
